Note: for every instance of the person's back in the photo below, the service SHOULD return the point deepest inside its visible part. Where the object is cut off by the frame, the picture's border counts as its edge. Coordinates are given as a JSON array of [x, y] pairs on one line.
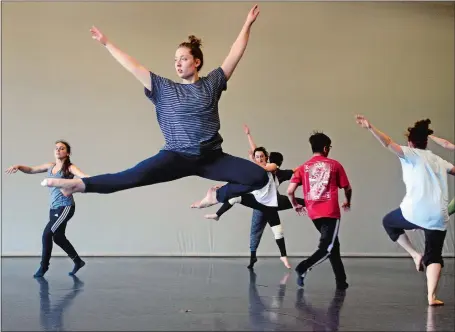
[[425, 177], [321, 179]]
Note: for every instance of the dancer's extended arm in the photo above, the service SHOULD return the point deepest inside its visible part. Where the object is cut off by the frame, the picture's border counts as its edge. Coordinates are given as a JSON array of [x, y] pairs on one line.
[[385, 140], [443, 142], [239, 46], [29, 169], [128, 62]]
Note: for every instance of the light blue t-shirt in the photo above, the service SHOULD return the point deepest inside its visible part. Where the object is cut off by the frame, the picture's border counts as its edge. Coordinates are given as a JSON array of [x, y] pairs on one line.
[[57, 199], [427, 194]]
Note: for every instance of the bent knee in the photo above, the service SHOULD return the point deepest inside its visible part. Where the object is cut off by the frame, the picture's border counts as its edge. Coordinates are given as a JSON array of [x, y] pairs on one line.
[[278, 232], [235, 200], [433, 259], [59, 238]]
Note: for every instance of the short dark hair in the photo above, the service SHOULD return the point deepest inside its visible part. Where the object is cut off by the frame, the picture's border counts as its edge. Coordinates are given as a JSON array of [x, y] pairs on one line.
[[418, 134], [261, 149], [319, 141], [276, 158]]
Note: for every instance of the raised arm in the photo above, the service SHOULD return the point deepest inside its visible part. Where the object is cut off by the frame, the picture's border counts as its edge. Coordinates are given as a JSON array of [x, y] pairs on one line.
[[77, 172], [29, 169], [128, 62], [385, 140], [246, 129], [443, 142], [239, 46]]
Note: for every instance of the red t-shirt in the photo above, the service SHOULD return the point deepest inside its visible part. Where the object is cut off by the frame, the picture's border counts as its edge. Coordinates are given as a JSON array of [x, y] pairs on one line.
[[321, 178]]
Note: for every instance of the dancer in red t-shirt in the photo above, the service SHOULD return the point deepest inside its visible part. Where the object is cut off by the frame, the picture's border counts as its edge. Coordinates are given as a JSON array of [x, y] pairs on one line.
[[321, 178]]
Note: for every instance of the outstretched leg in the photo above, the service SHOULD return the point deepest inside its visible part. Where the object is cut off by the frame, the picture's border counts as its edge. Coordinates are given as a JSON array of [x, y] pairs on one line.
[[163, 167], [243, 176], [224, 208]]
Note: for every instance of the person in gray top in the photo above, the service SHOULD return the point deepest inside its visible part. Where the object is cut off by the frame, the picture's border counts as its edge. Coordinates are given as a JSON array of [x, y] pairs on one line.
[[61, 207]]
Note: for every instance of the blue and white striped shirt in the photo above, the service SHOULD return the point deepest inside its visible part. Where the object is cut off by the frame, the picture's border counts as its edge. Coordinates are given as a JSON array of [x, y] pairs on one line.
[[188, 113]]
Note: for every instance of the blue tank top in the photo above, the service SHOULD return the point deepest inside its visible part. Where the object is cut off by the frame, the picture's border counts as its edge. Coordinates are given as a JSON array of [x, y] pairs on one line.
[[57, 199]]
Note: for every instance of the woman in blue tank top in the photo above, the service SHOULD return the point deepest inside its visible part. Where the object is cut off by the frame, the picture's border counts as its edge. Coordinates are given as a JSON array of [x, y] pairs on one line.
[[61, 207]]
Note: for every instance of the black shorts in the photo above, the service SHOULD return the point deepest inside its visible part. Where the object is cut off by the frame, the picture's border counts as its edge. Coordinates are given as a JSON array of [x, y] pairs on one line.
[[395, 225]]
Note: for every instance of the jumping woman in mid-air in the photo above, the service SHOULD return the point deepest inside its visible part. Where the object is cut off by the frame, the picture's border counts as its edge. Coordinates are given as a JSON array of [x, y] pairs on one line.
[[188, 116]]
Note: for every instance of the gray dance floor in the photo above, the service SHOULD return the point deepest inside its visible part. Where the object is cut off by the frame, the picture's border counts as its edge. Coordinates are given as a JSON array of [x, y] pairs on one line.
[[220, 294]]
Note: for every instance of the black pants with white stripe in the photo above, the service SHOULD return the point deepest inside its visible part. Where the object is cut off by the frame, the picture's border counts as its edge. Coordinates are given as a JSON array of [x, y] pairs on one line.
[[55, 232], [329, 247]]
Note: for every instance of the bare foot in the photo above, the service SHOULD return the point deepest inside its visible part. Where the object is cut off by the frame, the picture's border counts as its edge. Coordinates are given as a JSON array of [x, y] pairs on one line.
[[418, 261], [435, 302], [208, 200], [67, 186], [213, 216], [285, 262]]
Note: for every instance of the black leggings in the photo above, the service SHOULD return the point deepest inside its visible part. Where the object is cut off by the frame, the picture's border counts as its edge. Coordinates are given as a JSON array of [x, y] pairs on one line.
[[243, 176], [283, 204], [55, 232], [329, 247]]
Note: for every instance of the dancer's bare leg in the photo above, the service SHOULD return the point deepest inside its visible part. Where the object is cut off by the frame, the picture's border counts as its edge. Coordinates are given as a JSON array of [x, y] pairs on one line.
[[433, 275], [403, 241]]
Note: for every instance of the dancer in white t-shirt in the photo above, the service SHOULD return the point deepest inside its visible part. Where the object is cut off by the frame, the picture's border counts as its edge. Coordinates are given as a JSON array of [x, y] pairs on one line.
[[425, 203]]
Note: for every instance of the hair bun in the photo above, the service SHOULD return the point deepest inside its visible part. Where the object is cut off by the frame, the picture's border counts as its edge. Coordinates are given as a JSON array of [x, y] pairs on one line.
[[194, 41], [424, 126]]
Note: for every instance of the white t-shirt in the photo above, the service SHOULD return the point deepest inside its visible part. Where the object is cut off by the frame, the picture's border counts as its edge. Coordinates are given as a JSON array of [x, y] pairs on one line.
[[267, 195], [425, 178]]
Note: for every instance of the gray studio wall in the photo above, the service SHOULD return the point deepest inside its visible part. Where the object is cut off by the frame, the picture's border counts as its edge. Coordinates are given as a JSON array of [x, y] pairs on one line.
[[308, 66]]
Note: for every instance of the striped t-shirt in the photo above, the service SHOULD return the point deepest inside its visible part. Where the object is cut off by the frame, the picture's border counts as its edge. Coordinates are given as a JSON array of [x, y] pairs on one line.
[[188, 113]]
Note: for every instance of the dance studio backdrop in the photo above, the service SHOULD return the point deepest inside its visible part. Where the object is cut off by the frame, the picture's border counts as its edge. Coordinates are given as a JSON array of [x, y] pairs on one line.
[[308, 66]]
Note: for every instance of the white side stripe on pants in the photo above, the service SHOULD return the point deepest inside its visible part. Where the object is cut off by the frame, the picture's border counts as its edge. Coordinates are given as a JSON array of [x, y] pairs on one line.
[[329, 248], [60, 219]]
